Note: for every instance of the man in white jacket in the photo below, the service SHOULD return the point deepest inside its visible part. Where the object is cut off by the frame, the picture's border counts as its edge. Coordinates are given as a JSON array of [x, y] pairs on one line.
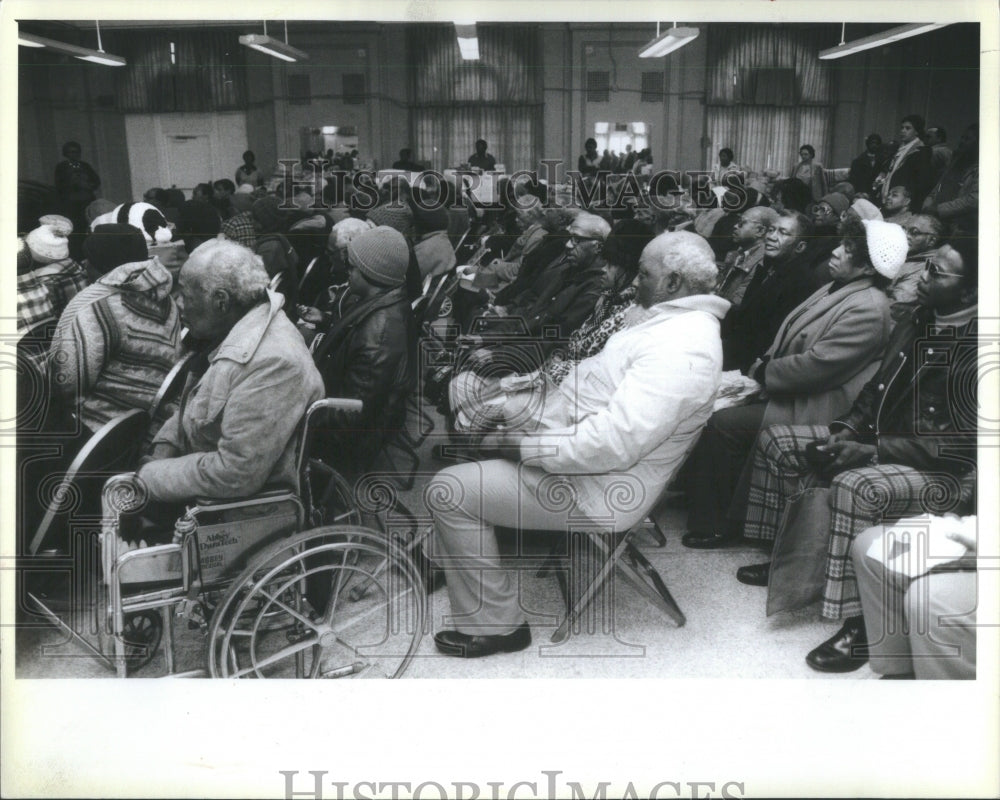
[[600, 448]]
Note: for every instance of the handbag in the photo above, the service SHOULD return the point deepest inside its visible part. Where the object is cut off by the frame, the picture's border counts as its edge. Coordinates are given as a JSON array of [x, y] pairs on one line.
[[798, 562]]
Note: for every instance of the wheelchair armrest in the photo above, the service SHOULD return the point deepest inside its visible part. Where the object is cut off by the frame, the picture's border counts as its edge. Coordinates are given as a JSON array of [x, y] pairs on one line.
[[124, 492], [206, 504]]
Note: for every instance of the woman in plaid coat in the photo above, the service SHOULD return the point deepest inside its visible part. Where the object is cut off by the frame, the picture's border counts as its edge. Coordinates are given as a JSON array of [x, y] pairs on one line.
[[899, 451]]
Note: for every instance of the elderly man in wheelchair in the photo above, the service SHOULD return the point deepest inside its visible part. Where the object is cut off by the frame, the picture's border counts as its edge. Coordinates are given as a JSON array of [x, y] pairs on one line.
[[219, 509]]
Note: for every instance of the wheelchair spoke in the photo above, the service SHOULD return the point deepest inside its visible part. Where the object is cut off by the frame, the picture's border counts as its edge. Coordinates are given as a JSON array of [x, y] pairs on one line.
[[289, 610], [282, 654]]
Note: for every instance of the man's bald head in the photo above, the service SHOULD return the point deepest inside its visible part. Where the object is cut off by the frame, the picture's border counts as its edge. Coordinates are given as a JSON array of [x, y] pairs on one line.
[[675, 265]]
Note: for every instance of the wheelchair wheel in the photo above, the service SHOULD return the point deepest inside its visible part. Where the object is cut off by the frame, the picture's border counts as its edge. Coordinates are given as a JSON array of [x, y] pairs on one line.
[[335, 504], [291, 612], [141, 633]]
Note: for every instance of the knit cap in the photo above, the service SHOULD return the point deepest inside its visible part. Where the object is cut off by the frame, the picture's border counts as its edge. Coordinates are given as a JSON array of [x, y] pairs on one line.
[[46, 245], [381, 255], [266, 212], [434, 219], [244, 188], [110, 246], [347, 229], [59, 224], [887, 246], [838, 202], [394, 216], [866, 210]]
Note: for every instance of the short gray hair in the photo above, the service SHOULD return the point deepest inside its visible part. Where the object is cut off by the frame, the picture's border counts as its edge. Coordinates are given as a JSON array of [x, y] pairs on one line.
[[593, 224], [223, 264], [687, 254]]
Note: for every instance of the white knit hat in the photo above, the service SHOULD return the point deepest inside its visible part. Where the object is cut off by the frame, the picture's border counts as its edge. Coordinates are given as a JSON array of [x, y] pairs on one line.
[[60, 225], [887, 246], [866, 210], [47, 245]]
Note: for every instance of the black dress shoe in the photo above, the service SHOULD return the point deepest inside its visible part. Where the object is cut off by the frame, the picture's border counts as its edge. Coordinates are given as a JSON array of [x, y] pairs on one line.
[[462, 645], [708, 541], [846, 651], [899, 676], [754, 574]]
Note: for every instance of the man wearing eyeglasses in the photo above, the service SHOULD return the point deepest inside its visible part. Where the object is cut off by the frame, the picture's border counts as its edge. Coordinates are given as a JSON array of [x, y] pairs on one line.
[[924, 234], [741, 264], [901, 450]]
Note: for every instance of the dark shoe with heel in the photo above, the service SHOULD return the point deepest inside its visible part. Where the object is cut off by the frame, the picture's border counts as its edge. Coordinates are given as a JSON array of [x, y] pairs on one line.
[[845, 651], [463, 645], [754, 574], [708, 541]]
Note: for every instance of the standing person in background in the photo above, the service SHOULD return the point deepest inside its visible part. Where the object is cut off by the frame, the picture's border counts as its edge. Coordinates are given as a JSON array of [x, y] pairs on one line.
[[481, 159], [810, 172], [911, 164], [955, 199], [76, 185], [725, 166], [248, 172], [590, 161], [941, 154], [867, 166]]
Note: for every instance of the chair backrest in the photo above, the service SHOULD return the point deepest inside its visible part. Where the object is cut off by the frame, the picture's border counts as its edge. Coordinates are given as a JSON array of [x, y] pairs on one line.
[[279, 282], [172, 385], [111, 450]]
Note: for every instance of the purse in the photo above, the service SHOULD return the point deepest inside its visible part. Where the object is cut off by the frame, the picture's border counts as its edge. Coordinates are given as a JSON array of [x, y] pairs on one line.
[[798, 562]]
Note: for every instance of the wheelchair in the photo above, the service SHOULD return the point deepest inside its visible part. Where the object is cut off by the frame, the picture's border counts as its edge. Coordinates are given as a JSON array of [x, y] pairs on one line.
[[282, 585]]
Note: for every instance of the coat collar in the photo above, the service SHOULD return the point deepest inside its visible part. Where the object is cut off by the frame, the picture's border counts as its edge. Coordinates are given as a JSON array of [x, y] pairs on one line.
[[818, 304], [243, 340]]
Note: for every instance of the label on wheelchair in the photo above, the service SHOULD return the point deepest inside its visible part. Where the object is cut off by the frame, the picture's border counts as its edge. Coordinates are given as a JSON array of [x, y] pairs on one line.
[[228, 540]]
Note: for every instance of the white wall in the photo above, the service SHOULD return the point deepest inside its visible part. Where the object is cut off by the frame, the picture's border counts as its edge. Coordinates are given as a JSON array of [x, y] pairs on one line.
[[147, 135]]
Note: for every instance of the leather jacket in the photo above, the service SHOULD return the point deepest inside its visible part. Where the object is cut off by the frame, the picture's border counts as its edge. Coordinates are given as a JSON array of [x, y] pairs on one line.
[[920, 409]]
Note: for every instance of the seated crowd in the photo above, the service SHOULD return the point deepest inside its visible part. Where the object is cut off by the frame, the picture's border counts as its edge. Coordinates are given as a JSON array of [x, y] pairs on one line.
[[597, 345]]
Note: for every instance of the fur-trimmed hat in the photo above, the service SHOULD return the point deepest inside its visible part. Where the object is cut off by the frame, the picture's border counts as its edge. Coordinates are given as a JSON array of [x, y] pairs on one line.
[[143, 216], [887, 246], [381, 255], [345, 230]]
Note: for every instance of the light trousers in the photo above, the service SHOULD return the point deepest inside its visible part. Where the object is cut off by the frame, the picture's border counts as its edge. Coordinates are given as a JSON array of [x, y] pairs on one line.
[[925, 626], [467, 502]]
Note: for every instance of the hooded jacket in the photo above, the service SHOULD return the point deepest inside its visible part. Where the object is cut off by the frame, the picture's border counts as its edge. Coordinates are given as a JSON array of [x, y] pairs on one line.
[[116, 341]]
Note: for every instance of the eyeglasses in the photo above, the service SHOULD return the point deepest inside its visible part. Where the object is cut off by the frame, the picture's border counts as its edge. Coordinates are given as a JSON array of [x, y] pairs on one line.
[[577, 239], [918, 232], [934, 270]]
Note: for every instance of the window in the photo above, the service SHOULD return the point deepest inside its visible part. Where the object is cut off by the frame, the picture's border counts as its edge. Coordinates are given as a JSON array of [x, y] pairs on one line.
[[652, 87], [353, 88], [299, 91], [616, 135], [598, 86]]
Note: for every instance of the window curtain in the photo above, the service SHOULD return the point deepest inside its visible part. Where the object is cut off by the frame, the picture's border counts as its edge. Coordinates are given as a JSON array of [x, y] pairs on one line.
[[455, 102], [767, 95], [207, 72]]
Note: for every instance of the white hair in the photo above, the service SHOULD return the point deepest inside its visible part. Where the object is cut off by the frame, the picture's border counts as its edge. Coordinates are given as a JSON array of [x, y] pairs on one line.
[[688, 255], [347, 229], [223, 264], [593, 224]]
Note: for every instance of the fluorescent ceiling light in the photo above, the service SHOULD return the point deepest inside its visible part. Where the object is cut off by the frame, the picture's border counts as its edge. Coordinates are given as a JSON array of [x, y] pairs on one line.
[[273, 47], [83, 53], [468, 43], [879, 39], [667, 42]]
